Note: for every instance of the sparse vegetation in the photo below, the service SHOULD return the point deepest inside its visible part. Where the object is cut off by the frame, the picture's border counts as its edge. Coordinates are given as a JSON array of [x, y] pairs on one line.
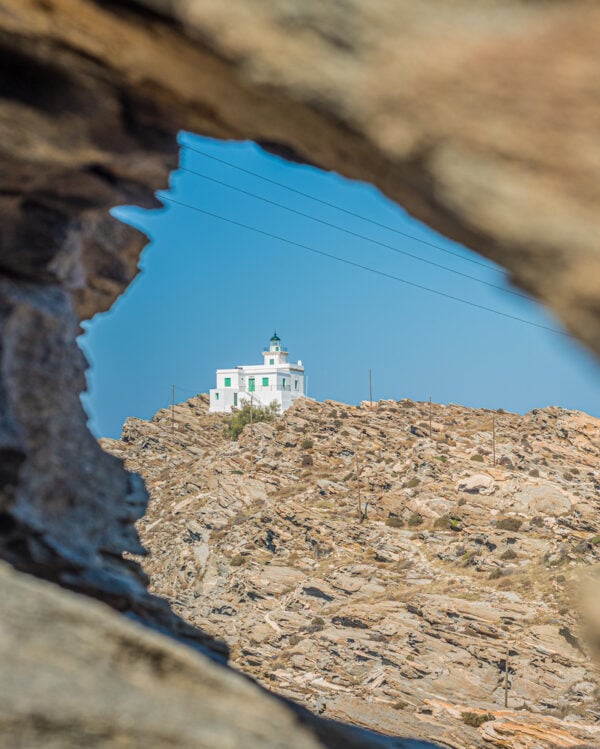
[[509, 524], [307, 460], [235, 423], [412, 483], [307, 444], [415, 519], [237, 560], [508, 554], [477, 458], [476, 719], [394, 522]]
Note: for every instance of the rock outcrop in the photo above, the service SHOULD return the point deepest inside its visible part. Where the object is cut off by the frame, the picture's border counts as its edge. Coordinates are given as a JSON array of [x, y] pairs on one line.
[[75, 674], [400, 617]]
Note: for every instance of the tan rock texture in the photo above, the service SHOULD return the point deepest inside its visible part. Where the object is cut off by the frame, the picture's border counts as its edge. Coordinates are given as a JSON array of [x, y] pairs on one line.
[[82, 676], [402, 618]]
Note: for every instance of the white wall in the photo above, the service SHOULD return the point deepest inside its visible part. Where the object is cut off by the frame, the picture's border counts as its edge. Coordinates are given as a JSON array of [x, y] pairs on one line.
[[223, 399]]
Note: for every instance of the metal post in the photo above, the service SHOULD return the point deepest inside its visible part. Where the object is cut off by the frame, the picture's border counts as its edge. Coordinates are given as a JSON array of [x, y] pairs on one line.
[[172, 410], [358, 484], [429, 417], [371, 388], [506, 678]]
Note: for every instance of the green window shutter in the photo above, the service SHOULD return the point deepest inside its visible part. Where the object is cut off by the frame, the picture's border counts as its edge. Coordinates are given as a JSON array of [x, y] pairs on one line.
[[271, 361], [251, 384], [228, 382], [216, 396], [235, 399], [283, 383], [295, 384], [265, 382], [276, 348]]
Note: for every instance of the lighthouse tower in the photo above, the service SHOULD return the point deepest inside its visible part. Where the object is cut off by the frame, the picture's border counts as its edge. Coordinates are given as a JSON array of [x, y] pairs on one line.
[[276, 356], [275, 380]]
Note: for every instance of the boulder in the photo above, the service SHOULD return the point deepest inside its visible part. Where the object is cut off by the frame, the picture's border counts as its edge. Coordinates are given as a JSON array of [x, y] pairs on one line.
[[478, 483]]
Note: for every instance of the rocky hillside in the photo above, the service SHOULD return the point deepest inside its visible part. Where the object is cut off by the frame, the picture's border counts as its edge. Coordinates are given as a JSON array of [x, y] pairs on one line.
[[381, 575]]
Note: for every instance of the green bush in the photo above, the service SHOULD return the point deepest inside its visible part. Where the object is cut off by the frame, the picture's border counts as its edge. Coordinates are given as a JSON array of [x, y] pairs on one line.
[[237, 560], [240, 418], [448, 522], [415, 519], [509, 554], [307, 460], [412, 483], [478, 458], [306, 444]]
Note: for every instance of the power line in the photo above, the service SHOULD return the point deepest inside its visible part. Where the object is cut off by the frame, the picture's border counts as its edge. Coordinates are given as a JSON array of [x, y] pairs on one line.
[[342, 209], [363, 267], [187, 390], [356, 234]]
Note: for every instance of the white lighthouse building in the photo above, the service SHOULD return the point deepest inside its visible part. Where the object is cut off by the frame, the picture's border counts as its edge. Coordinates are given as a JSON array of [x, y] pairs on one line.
[[276, 379]]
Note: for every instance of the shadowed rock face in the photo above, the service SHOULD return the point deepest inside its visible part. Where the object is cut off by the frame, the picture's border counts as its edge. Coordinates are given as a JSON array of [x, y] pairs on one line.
[[82, 676], [481, 119]]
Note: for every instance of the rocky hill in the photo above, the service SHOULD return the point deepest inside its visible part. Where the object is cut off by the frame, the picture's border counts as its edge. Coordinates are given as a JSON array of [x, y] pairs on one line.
[[383, 565]]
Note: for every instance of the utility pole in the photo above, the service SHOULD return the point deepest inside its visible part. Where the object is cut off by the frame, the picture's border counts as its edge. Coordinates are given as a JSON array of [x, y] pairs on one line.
[[251, 414], [172, 410], [429, 417], [358, 479], [494, 438], [506, 677], [371, 388]]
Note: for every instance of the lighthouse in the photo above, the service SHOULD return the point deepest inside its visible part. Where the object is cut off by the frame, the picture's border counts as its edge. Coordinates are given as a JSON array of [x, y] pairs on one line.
[[275, 380]]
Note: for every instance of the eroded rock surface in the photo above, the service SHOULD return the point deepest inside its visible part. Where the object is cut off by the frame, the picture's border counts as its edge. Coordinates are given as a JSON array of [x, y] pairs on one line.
[[400, 620], [76, 674]]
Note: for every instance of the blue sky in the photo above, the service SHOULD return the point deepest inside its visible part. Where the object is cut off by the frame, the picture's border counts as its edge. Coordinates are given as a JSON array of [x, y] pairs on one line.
[[210, 294]]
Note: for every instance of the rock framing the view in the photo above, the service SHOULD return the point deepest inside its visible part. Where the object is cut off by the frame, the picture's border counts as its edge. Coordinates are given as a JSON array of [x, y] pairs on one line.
[[480, 119]]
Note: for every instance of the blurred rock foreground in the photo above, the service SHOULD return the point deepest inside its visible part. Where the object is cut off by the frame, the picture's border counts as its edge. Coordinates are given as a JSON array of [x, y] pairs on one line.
[[400, 618], [480, 118]]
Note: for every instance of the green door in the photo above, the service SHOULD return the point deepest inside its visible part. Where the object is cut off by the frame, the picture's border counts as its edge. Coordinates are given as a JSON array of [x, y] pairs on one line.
[[235, 399], [251, 385]]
